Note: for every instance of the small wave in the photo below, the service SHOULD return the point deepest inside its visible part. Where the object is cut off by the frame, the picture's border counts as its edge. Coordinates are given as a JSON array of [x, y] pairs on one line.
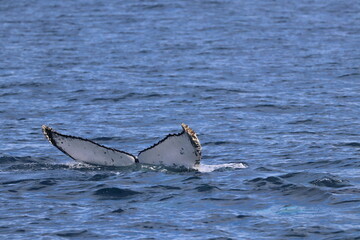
[[129, 96], [269, 181], [305, 121], [18, 181], [119, 210], [191, 178], [285, 188], [352, 201], [76, 234], [166, 187], [166, 198], [349, 75], [99, 177], [104, 139], [114, 193], [218, 143], [11, 159], [330, 182], [206, 188], [350, 144], [30, 184], [317, 179]]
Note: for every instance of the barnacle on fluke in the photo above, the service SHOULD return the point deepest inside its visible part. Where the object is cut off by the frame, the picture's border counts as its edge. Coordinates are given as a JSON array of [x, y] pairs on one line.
[[175, 150]]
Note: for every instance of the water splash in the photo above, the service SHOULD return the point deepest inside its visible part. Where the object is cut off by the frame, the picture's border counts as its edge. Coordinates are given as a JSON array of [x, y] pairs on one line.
[[219, 167]]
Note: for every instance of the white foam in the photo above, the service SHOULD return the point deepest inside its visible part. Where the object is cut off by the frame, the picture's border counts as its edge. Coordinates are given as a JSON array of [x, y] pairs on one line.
[[211, 168]]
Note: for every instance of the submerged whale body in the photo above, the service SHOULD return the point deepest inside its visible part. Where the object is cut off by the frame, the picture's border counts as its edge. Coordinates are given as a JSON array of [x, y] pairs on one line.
[[175, 150]]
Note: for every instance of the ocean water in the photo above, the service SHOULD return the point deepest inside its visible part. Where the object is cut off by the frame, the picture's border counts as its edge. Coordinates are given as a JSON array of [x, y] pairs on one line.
[[270, 85]]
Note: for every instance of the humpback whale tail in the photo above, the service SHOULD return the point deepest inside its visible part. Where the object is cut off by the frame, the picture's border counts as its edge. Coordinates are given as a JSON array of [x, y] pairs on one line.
[[175, 150]]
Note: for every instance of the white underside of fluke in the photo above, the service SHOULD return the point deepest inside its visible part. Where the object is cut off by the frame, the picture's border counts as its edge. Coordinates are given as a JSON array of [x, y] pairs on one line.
[[175, 150]]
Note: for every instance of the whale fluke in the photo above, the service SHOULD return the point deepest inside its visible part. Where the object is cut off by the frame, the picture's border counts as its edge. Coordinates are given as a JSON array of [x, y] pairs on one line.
[[175, 150], [181, 149], [87, 151]]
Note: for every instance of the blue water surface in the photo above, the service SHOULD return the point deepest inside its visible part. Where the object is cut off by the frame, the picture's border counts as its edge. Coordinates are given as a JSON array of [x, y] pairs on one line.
[[274, 85]]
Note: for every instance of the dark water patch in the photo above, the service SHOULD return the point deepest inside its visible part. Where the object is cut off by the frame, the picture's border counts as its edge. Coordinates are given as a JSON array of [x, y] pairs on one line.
[[109, 139], [223, 219], [317, 179], [16, 160], [206, 188], [330, 182], [352, 191], [76, 193], [191, 178], [99, 177], [273, 108], [294, 233], [350, 144], [291, 175], [41, 184], [119, 210], [285, 188], [115, 193], [302, 192], [25, 84], [129, 96], [76, 234], [265, 169], [72, 99], [260, 182], [305, 121], [48, 182], [34, 166], [315, 164], [223, 90], [349, 75], [105, 139], [166, 187], [214, 199], [154, 6], [220, 238], [9, 94], [304, 133], [217, 143], [116, 99], [34, 84], [243, 216], [351, 202], [154, 224], [18, 181], [315, 232], [35, 188], [166, 198]]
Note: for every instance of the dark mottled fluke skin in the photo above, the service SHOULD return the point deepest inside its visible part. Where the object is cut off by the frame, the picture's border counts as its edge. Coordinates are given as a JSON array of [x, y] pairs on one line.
[[194, 140]]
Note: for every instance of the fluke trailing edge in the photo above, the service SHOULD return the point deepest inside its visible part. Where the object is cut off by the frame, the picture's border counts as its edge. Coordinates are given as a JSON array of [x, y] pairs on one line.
[[175, 150]]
